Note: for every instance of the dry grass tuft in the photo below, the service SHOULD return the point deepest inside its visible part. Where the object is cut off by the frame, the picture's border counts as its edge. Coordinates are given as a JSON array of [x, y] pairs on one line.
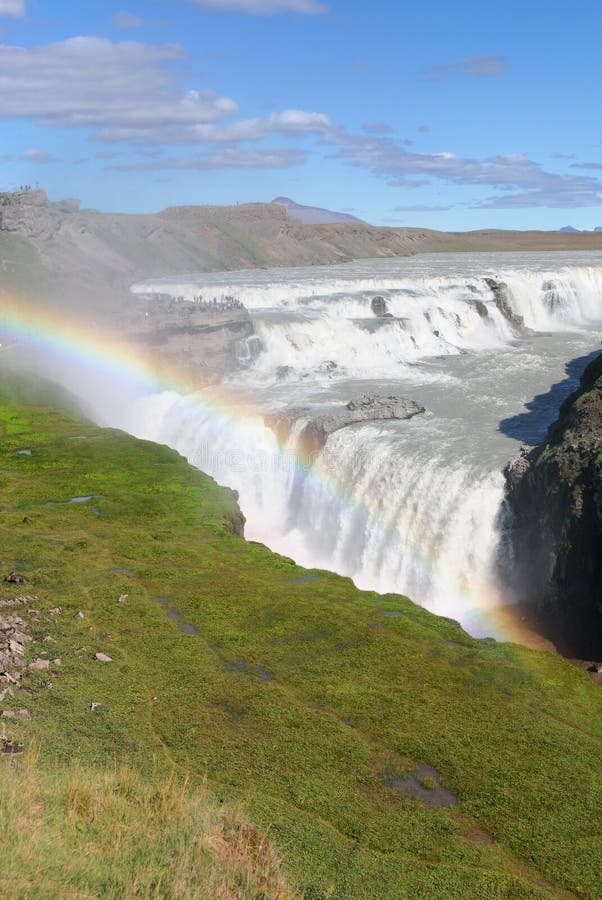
[[84, 833]]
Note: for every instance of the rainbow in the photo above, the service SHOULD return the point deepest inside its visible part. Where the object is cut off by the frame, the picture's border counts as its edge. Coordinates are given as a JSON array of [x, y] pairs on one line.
[[107, 356]]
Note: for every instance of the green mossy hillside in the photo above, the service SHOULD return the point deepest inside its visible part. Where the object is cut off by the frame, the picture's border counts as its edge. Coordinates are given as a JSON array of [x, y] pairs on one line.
[[308, 700]]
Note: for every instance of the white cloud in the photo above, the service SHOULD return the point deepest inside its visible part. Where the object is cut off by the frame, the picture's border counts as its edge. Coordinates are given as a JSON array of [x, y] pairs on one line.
[[126, 20], [521, 181], [88, 82], [131, 91], [377, 127], [421, 207], [264, 7], [36, 156], [13, 8], [593, 166], [471, 66], [138, 98], [289, 122], [230, 158]]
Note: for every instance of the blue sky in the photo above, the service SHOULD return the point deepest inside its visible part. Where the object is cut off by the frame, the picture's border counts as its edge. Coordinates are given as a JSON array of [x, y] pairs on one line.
[[444, 115]]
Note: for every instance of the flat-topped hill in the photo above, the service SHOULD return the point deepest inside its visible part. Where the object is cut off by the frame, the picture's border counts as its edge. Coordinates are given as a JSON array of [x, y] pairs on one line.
[[91, 257], [387, 752]]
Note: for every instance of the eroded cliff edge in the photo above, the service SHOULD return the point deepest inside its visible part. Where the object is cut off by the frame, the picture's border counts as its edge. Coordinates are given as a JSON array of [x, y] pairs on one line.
[[554, 494]]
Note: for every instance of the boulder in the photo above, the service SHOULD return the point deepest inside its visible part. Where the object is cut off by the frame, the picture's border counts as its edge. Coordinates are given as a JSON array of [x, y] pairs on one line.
[[378, 306], [102, 657], [11, 747], [40, 664], [16, 578], [500, 292], [365, 408]]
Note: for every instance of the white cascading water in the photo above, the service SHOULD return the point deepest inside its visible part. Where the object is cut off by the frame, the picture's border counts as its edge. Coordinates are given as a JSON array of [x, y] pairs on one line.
[[414, 506]]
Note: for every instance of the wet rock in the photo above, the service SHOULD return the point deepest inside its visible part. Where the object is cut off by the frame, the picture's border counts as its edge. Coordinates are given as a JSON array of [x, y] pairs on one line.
[[235, 521], [378, 305], [481, 309], [16, 578], [102, 657], [327, 366], [553, 562], [518, 466], [500, 292], [365, 408]]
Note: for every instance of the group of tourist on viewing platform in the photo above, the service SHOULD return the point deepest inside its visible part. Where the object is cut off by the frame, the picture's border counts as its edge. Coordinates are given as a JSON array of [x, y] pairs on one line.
[[215, 304]]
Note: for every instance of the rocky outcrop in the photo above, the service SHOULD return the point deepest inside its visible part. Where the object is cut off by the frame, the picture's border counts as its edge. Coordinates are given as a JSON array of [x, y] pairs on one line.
[[499, 289], [378, 305], [30, 214], [200, 342], [554, 495], [316, 428]]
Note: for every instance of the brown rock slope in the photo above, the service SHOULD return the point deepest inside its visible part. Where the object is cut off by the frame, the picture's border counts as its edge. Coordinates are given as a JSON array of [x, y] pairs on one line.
[[100, 254]]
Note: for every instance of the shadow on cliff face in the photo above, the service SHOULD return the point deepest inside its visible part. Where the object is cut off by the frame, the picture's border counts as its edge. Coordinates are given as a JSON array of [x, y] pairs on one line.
[[530, 427]]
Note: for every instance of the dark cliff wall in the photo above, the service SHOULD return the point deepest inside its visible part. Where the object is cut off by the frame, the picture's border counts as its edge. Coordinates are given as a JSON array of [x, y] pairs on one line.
[[555, 497]]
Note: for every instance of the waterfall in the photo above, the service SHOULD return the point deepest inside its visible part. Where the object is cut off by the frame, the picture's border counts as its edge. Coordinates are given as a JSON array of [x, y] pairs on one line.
[[409, 507], [321, 324], [392, 518]]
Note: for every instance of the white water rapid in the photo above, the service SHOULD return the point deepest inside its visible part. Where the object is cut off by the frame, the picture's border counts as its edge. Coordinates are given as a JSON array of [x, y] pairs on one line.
[[413, 506]]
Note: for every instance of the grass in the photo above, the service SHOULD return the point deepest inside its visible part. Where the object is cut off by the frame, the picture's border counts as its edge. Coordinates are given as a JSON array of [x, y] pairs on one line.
[[84, 832], [297, 699]]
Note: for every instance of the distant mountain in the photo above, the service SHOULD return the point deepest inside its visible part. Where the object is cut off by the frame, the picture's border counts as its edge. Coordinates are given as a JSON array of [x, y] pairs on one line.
[[568, 228], [314, 215], [598, 228]]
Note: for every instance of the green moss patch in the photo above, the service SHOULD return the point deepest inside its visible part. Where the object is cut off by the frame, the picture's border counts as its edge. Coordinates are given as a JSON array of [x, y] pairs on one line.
[[287, 697]]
